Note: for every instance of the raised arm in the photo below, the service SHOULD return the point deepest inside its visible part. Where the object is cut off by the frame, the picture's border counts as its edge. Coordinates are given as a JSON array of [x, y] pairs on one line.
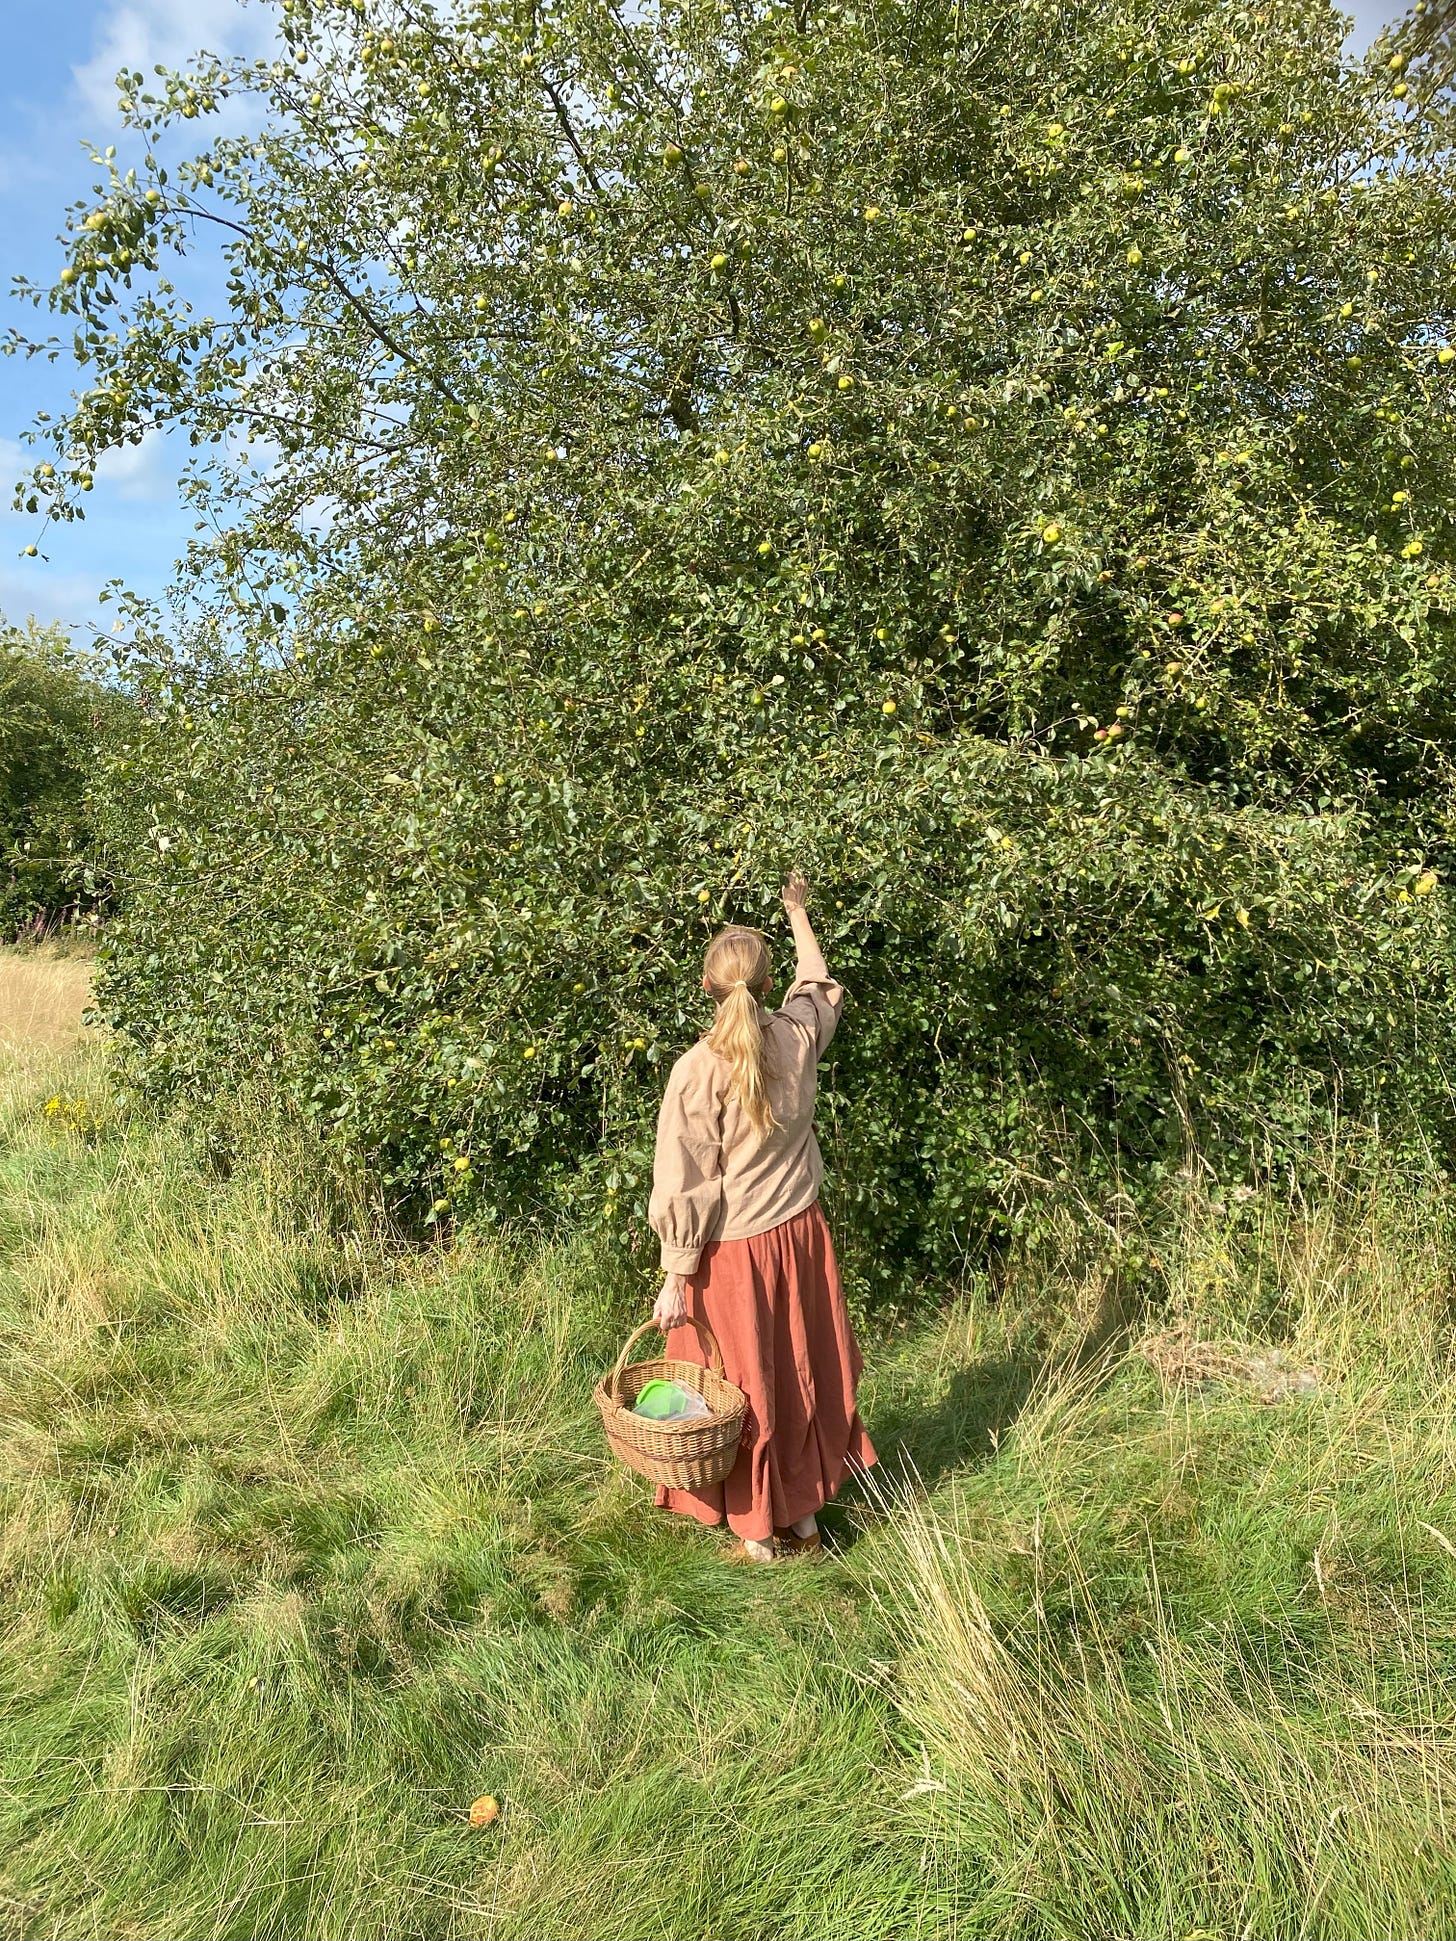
[[811, 958], [815, 999]]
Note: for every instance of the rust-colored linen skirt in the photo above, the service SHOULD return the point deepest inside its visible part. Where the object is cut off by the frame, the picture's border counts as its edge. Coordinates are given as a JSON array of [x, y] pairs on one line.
[[775, 1303]]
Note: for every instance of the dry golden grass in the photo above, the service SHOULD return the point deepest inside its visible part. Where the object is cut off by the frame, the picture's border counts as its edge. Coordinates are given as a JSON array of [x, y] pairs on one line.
[[42, 997]]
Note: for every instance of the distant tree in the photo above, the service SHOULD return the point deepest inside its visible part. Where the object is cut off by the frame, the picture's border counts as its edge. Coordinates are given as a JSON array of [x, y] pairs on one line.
[[53, 711]]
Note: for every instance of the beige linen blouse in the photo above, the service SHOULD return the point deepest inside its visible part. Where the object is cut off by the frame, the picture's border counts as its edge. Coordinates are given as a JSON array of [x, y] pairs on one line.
[[713, 1178]]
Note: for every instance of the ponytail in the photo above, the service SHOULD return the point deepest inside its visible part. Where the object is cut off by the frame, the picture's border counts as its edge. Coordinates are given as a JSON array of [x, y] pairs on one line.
[[736, 971]]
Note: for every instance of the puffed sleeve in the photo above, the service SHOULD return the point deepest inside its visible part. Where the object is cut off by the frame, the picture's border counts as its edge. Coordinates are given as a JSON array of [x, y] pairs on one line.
[[687, 1169], [814, 1000]]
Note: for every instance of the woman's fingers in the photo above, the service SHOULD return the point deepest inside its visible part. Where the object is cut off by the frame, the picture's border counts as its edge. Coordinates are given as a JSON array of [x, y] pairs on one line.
[[671, 1310]]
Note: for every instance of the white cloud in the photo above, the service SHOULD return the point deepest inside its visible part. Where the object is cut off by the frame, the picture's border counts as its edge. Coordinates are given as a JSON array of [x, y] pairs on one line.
[[24, 169], [133, 34], [29, 587], [168, 33], [115, 538], [138, 472], [34, 586]]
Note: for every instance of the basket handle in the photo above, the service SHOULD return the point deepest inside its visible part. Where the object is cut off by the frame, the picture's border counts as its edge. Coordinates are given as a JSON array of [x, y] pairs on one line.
[[651, 1327]]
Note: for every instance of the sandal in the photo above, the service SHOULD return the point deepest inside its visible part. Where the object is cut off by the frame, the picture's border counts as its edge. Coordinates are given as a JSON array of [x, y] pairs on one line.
[[788, 1545], [739, 1553]]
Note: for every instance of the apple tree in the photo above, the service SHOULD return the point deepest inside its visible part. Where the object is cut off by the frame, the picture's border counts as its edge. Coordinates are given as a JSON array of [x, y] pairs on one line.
[[997, 459]]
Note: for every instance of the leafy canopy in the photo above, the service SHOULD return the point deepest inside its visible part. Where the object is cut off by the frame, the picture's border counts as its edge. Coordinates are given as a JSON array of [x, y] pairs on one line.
[[53, 706], [996, 458]]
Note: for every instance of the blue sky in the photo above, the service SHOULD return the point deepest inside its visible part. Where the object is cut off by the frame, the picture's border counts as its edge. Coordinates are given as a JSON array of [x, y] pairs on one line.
[[56, 90]]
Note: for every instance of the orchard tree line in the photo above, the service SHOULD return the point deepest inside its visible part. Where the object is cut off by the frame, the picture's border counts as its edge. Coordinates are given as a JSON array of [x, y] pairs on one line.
[[996, 459], [55, 709]]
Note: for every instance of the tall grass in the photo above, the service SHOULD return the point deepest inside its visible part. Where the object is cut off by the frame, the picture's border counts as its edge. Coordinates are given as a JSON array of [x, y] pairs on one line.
[[43, 993], [1217, 1693], [305, 1542]]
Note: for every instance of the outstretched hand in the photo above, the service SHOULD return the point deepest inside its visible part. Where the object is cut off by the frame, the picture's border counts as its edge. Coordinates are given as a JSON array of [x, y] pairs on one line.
[[796, 892]]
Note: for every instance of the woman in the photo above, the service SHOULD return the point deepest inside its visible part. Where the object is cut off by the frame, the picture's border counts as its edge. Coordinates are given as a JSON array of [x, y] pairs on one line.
[[735, 1203]]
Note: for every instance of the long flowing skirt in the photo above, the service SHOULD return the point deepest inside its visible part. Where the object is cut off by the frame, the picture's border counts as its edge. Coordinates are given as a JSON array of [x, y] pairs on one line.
[[775, 1303]]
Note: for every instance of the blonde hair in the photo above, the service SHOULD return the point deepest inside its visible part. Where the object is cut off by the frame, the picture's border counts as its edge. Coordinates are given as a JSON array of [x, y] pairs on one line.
[[736, 972]]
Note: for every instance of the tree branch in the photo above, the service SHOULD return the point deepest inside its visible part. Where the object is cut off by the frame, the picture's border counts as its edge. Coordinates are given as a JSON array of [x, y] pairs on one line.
[[355, 302]]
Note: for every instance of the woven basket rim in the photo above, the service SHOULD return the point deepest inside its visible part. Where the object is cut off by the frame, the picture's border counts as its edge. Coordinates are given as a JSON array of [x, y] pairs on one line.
[[694, 1374], [697, 1423]]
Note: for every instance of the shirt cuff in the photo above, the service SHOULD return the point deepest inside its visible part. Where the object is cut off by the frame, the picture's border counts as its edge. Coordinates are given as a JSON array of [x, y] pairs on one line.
[[679, 1260]]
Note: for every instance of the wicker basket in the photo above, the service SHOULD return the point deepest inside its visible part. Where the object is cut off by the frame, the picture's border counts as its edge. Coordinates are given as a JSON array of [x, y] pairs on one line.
[[683, 1455]]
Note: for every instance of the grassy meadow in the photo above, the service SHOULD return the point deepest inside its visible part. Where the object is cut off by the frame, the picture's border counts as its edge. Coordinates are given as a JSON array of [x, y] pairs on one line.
[[1148, 1627]]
